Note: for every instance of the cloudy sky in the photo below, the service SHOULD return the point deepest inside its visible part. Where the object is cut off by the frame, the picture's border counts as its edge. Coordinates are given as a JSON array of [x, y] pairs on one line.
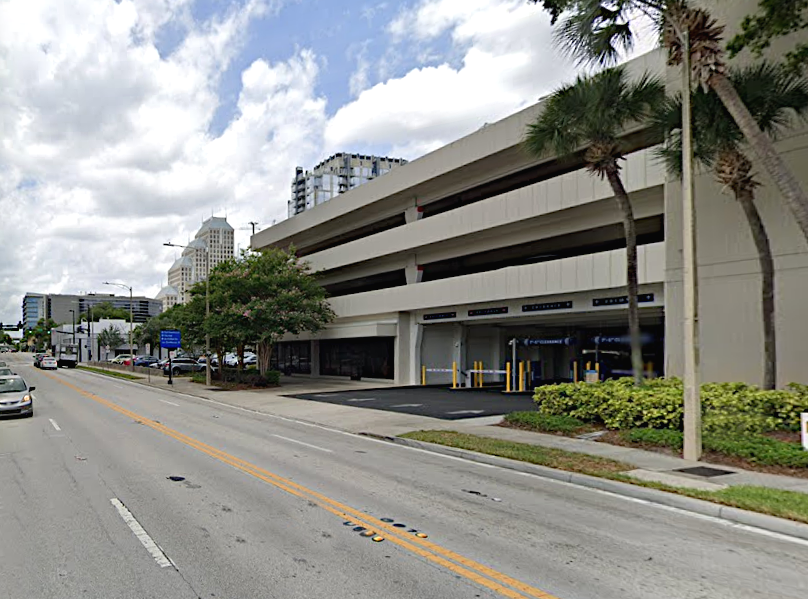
[[124, 124]]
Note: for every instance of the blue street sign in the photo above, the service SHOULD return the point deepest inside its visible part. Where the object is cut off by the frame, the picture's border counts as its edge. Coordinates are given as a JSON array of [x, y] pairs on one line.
[[170, 339]]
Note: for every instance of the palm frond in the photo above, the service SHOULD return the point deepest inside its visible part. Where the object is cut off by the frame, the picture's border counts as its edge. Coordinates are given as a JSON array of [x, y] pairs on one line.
[[592, 111]]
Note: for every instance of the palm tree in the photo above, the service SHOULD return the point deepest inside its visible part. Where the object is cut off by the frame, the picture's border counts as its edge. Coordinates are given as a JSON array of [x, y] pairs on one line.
[[599, 30], [592, 113], [110, 337], [772, 95]]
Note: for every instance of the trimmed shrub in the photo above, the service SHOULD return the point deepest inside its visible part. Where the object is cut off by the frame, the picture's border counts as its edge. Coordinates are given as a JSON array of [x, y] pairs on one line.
[[727, 407], [758, 449], [544, 422]]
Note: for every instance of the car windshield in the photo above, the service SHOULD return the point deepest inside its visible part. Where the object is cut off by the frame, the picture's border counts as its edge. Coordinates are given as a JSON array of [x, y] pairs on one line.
[[12, 385], [6, 372]]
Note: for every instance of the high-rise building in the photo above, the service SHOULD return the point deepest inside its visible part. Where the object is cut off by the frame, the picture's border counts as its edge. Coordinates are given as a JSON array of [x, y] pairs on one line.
[[57, 307], [33, 308], [335, 175], [212, 244]]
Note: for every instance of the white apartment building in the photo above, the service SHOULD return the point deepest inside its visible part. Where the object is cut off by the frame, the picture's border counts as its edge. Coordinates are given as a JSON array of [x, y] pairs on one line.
[[450, 257], [212, 244], [336, 175]]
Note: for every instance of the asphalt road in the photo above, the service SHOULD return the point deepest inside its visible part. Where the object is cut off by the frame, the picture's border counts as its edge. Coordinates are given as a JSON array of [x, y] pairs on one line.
[[434, 402], [87, 511]]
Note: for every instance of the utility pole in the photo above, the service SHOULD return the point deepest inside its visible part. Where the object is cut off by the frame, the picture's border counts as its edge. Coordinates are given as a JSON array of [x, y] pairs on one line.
[[692, 396], [208, 377], [129, 287]]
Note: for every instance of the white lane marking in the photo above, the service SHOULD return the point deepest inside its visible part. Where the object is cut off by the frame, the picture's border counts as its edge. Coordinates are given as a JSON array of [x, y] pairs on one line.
[[171, 403], [407, 405], [467, 412], [53, 422], [152, 547], [652, 504], [362, 399], [302, 443]]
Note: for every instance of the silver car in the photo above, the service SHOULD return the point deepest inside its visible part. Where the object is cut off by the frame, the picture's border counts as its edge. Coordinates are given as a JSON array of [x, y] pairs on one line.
[[16, 397]]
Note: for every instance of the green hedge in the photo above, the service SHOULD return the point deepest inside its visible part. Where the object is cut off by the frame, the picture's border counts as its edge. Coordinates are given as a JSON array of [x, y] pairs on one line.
[[544, 422], [727, 407], [754, 448]]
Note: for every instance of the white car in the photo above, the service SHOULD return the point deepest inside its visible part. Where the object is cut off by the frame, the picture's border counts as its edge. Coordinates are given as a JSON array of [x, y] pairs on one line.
[[48, 363]]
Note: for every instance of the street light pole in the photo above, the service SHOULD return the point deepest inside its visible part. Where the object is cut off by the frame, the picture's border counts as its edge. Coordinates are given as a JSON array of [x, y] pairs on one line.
[[73, 313], [692, 401], [129, 287], [208, 377]]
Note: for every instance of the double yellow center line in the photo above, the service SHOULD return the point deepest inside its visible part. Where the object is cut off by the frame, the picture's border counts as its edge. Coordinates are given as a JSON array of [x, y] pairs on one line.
[[454, 562]]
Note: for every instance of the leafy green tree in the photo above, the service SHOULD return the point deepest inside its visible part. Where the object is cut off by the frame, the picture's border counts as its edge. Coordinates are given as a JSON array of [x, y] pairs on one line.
[[773, 95], [39, 337], [774, 18], [107, 311], [592, 113], [263, 296], [5, 338], [110, 337], [600, 30]]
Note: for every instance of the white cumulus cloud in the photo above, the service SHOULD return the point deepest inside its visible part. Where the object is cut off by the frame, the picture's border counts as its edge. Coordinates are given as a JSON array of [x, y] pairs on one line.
[[105, 145]]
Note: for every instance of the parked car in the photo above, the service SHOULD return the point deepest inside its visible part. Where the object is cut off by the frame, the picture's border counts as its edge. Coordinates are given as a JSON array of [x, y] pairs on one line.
[[145, 360], [16, 397], [180, 365], [121, 358], [48, 363], [159, 364]]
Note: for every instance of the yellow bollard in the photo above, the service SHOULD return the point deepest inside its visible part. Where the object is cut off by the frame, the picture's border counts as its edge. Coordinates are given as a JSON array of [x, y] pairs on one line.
[[423, 375], [529, 372], [521, 376], [575, 371], [454, 375], [507, 377]]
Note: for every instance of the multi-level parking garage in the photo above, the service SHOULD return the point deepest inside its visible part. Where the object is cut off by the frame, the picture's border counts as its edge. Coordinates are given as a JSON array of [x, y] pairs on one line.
[[448, 258]]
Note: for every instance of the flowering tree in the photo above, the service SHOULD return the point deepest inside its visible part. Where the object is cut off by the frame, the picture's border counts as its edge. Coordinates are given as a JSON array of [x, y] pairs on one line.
[[263, 296]]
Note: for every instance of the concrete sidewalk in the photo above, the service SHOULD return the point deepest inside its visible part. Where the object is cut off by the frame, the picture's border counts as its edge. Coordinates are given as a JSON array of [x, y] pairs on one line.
[[648, 465]]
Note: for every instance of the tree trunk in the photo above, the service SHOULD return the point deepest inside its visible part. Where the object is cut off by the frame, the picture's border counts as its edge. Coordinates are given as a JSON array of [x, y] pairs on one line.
[[264, 355], [240, 366], [631, 273], [746, 199], [763, 147]]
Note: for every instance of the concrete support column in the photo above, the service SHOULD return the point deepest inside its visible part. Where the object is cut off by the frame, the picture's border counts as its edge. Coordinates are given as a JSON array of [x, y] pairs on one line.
[[413, 271], [315, 357], [408, 350], [416, 343], [413, 213]]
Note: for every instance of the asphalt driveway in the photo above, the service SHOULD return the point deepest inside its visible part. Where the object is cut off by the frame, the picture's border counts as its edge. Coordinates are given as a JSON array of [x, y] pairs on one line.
[[428, 401]]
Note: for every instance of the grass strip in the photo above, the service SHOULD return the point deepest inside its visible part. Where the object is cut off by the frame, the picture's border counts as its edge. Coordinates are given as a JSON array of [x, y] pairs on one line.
[[524, 452], [774, 502], [113, 373]]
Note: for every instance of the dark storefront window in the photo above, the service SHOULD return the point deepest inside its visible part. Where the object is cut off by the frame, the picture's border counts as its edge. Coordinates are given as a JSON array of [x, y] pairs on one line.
[[292, 357], [369, 357]]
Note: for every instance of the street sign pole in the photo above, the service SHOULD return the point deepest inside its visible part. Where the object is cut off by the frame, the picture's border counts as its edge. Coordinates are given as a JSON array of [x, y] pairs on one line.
[[170, 339]]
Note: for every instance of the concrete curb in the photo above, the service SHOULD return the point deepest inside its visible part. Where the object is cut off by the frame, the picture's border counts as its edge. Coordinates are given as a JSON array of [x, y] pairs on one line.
[[697, 506]]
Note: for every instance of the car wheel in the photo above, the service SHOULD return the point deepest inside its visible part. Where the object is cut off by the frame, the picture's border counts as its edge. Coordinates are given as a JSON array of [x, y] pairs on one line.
[[176, 371]]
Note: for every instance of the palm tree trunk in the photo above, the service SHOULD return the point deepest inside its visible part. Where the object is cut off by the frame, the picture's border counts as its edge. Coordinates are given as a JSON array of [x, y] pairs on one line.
[[746, 199], [630, 229], [788, 185]]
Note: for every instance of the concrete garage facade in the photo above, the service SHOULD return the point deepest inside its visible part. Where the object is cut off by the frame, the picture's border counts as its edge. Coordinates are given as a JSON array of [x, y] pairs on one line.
[[449, 257]]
